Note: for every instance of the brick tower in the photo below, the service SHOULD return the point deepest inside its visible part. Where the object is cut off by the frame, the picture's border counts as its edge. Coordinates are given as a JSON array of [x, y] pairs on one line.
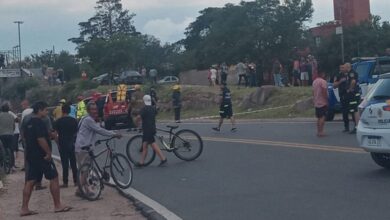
[[351, 12]]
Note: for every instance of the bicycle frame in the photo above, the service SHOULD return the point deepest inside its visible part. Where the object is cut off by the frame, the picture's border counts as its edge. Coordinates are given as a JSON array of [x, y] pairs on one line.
[[94, 156]]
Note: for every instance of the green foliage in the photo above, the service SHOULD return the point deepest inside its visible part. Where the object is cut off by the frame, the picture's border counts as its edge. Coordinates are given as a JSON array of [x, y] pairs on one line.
[[17, 90], [87, 85], [368, 39], [256, 30]]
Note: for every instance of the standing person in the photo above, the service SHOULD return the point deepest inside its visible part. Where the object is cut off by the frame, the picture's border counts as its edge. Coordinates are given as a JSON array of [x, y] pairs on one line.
[[241, 72], [7, 127], [57, 113], [15, 145], [213, 75], [88, 129], [136, 102], [353, 94], [252, 75], [148, 117], [276, 71], [296, 73], [341, 82], [303, 67], [313, 64], [176, 102], [320, 99], [84, 75], [81, 109], [153, 95], [224, 73], [225, 108], [66, 128], [39, 160]]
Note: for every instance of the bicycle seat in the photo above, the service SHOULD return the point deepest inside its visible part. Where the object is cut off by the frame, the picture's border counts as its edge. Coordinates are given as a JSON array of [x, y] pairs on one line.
[[172, 126], [86, 148]]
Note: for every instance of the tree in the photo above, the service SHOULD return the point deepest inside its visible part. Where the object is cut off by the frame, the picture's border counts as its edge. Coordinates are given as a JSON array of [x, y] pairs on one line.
[[367, 39], [258, 30], [110, 19]]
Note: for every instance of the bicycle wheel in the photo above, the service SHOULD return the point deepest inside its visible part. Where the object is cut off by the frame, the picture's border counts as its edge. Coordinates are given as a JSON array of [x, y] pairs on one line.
[[188, 145], [89, 182], [134, 151], [121, 171]]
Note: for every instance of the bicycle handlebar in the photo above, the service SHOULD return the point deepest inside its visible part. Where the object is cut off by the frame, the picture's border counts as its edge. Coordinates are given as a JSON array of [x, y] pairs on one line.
[[104, 140]]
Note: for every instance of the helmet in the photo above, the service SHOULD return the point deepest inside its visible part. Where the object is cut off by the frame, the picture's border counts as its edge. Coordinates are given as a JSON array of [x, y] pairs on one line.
[[80, 97], [176, 87], [62, 101]]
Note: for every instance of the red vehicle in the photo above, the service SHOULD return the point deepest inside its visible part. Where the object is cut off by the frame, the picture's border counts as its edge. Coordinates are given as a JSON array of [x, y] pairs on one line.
[[114, 113]]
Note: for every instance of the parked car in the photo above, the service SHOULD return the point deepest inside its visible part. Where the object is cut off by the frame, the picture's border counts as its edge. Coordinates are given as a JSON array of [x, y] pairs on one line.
[[168, 79], [105, 79], [369, 69], [130, 78], [373, 131]]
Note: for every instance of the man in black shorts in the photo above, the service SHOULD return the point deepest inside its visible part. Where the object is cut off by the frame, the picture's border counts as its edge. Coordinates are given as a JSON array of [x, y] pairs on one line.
[[66, 127], [148, 117], [225, 108], [39, 160]]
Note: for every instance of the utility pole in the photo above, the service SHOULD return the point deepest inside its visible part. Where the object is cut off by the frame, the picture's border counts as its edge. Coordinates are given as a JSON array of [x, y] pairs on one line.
[[20, 47]]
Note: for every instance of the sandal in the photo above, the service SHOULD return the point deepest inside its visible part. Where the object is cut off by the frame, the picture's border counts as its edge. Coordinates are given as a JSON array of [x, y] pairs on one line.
[[65, 209], [28, 213]]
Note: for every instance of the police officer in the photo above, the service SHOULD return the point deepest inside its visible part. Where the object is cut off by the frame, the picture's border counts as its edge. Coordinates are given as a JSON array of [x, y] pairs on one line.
[[353, 94], [341, 82], [225, 108]]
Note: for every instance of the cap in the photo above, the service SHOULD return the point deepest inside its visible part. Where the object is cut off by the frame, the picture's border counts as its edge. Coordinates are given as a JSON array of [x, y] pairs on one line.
[[147, 100], [63, 101]]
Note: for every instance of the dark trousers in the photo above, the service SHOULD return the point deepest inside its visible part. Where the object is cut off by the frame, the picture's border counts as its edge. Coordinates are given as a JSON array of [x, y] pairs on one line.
[[345, 112], [8, 143], [177, 114], [68, 156], [242, 76]]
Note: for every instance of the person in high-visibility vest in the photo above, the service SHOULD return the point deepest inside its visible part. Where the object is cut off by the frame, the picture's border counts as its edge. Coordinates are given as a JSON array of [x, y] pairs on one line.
[[81, 108]]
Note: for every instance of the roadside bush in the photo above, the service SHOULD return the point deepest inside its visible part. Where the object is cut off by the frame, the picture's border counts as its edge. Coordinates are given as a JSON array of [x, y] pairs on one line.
[[84, 85], [18, 89]]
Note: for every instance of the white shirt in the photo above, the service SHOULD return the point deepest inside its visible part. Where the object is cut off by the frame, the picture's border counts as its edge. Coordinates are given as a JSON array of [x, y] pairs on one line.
[[16, 131]]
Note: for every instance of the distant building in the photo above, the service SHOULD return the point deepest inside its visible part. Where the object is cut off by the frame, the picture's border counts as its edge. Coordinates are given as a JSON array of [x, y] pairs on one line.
[[351, 12], [346, 13]]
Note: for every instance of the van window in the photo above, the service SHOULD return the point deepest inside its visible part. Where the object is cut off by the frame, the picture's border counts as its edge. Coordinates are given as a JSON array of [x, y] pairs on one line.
[[363, 70]]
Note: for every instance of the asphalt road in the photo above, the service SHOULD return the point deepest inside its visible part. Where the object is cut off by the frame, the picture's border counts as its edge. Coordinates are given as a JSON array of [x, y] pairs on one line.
[[270, 170]]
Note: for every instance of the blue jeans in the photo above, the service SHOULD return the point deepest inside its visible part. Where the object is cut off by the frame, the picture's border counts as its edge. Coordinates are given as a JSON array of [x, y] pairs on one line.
[[278, 80]]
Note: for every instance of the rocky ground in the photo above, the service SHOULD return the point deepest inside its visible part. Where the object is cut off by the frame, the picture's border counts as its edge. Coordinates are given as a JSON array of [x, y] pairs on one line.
[[110, 206]]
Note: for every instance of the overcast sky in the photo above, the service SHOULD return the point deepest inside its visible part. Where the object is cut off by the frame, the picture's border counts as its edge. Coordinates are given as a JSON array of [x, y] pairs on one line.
[[49, 23]]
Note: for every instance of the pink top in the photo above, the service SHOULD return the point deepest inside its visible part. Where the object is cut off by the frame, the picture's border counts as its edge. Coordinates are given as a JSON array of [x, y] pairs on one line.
[[320, 93]]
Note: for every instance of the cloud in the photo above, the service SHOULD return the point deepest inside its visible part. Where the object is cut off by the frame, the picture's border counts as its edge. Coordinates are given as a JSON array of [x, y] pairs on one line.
[[167, 30]]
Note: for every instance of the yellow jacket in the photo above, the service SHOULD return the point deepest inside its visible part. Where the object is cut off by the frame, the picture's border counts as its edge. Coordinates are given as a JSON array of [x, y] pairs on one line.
[[81, 109], [57, 113]]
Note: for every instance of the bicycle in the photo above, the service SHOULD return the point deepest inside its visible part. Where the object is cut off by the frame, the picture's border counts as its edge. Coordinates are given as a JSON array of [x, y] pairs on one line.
[[186, 144], [90, 176]]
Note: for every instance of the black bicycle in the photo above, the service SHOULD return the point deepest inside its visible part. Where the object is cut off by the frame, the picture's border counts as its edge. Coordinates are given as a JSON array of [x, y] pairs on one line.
[[185, 144], [91, 176]]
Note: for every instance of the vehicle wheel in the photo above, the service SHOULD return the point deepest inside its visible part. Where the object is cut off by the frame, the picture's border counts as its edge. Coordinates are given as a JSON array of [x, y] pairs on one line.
[[121, 171], [89, 182], [330, 115], [188, 145], [134, 151], [381, 159]]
